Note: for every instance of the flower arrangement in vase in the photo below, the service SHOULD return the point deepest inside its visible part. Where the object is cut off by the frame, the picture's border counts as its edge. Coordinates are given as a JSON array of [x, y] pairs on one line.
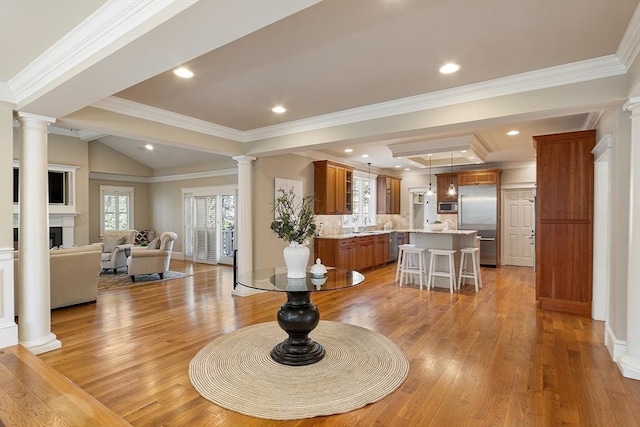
[[294, 222]]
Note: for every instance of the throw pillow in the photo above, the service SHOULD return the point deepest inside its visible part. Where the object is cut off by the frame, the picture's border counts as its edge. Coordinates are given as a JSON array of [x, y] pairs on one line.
[[142, 237], [111, 243], [154, 244]]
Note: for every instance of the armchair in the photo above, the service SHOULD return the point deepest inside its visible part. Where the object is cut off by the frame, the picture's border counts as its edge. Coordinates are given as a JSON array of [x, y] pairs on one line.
[[152, 261], [116, 244]]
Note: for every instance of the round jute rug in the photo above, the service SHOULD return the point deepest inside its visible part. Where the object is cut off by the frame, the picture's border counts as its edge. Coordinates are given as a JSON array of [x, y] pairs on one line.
[[236, 372]]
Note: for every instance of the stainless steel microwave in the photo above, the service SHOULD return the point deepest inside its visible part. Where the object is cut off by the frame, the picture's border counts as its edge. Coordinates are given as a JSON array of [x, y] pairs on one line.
[[448, 207]]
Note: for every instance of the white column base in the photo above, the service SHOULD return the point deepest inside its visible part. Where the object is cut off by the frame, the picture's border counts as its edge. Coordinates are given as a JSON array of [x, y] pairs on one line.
[[43, 345], [8, 335], [243, 291], [630, 367]]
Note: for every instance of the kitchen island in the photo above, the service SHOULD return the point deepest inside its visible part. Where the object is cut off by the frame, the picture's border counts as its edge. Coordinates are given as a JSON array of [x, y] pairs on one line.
[[359, 251], [445, 240]]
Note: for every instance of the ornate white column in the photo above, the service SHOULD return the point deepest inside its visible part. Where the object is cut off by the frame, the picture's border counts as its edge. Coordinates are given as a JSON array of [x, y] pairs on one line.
[[8, 326], [34, 300], [630, 362], [244, 235]]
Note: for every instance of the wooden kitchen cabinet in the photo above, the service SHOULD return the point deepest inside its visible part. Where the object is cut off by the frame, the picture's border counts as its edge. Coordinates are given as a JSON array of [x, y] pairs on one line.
[[482, 177], [354, 253], [443, 182], [364, 252], [333, 187], [388, 194], [564, 221], [381, 249], [347, 254]]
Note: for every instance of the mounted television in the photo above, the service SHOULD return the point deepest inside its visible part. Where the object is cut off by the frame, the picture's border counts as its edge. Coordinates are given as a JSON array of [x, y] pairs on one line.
[[16, 174], [58, 184], [56, 188]]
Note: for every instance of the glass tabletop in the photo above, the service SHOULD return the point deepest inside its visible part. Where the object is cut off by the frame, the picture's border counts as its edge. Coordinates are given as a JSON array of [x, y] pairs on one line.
[[275, 279]]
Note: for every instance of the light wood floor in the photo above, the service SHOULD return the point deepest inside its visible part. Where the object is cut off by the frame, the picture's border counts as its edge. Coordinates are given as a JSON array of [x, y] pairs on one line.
[[479, 359]]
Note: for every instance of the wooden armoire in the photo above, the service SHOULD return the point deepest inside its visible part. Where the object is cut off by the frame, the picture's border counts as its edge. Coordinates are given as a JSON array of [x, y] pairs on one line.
[[564, 221]]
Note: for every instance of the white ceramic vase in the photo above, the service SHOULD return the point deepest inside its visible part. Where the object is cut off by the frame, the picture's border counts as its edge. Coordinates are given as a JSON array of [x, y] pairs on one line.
[[296, 257]]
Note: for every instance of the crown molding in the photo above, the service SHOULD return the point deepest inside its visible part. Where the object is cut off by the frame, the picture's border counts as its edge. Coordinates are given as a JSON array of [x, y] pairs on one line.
[[591, 69], [64, 132], [87, 135], [576, 72], [6, 94], [629, 47], [117, 177], [165, 178], [602, 147], [110, 24], [592, 119], [146, 112]]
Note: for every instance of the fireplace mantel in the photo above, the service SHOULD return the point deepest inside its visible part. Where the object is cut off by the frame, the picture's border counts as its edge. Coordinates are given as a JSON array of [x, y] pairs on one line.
[[64, 220]]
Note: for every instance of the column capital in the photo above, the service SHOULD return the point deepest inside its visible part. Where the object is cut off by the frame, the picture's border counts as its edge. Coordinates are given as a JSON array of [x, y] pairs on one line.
[[633, 105], [243, 160], [20, 115]]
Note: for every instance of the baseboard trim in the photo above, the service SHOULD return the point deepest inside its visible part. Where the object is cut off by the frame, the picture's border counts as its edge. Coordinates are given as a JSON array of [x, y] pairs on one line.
[[630, 367], [177, 255], [8, 335], [617, 348]]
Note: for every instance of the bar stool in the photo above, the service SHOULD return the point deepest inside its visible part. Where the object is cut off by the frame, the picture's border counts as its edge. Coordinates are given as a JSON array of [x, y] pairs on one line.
[[411, 265], [401, 249], [474, 253], [451, 273]]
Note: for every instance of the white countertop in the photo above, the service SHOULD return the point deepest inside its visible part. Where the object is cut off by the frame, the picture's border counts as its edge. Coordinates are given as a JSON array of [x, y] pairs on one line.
[[462, 232], [377, 232]]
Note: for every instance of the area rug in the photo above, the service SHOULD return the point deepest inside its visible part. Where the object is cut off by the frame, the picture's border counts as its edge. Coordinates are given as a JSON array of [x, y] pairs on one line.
[[236, 372], [108, 281]]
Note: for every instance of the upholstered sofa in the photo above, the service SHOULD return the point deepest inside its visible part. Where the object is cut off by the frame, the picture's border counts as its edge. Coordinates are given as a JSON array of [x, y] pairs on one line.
[[116, 244], [151, 260], [74, 275]]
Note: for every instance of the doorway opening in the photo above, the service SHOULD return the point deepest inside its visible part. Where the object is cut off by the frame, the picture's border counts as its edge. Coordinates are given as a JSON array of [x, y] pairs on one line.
[[210, 224]]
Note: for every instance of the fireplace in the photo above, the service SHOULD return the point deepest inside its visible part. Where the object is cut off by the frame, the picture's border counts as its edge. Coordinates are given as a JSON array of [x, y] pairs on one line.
[[56, 236]]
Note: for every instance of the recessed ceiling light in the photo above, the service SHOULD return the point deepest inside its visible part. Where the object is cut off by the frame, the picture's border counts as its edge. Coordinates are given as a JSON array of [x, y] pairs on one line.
[[449, 68], [348, 150], [365, 155], [183, 72], [397, 166], [429, 155], [513, 132], [149, 147], [407, 169], [279, 109], [463, 151], [471, 157]]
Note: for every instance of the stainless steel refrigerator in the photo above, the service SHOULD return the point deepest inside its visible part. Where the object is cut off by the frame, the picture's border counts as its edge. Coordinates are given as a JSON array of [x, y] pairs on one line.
[[478, 210]]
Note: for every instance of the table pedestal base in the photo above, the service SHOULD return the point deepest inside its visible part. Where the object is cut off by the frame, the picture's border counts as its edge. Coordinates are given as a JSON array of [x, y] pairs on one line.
[[298, 317]]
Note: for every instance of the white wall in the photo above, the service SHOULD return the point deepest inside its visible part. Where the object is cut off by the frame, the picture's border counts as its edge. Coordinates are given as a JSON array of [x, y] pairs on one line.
[[617, 124]]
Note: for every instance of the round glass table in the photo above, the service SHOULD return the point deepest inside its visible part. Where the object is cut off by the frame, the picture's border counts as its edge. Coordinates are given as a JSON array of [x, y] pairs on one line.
[[298, 316]]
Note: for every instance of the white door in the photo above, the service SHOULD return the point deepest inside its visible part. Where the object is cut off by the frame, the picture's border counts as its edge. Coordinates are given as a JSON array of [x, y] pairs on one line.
[[226, 228], [209, 226], [517, 246], [205, 247]]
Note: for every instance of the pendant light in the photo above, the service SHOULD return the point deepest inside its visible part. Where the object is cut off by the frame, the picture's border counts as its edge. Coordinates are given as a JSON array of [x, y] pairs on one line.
[[452, 188], [430, 191]]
